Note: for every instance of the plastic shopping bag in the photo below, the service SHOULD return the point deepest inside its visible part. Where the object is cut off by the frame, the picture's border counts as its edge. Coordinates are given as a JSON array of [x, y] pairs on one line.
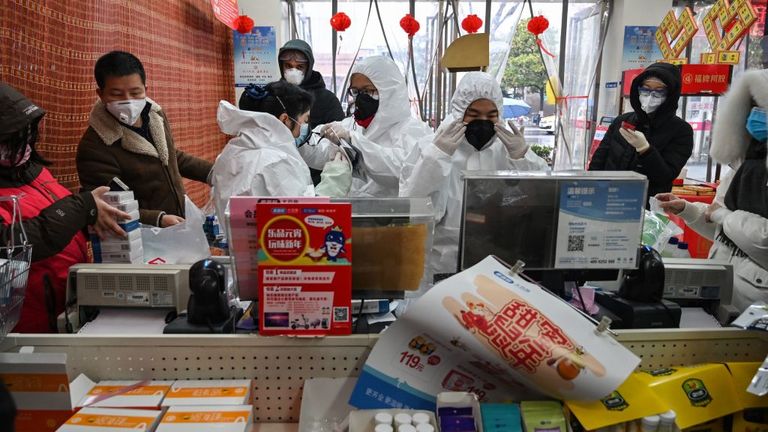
[[658, 229], [184, 243]]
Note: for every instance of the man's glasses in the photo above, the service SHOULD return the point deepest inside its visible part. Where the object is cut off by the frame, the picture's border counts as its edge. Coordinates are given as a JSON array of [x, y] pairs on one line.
[[658, 93]]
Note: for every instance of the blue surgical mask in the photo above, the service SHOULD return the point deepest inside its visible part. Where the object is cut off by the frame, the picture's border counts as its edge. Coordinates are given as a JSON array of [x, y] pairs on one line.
[[303, 135], [756, 124]]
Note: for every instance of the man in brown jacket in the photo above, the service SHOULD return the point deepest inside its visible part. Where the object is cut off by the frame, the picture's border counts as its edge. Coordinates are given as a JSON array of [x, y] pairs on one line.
[[129, 137]]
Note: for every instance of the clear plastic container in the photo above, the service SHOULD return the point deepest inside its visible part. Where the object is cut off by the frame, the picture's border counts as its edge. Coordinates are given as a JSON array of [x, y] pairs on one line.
[[671, 248], [682, 250]]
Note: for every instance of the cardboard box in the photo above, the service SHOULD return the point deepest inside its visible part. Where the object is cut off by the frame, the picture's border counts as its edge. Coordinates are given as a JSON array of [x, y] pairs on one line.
[[121, 197], [110, 246], [741, 424], [632, 400], [112, 420], [697, 394], [742, 373], [134, 256], [40, 388], [235, 418], [209, 393], [717, 425], [126, 394], [127, 207]]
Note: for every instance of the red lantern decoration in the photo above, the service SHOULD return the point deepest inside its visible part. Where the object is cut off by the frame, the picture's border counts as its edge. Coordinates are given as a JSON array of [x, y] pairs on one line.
[[340, 22], [243, 24], [410, 25], [538, 25], [472, 23]]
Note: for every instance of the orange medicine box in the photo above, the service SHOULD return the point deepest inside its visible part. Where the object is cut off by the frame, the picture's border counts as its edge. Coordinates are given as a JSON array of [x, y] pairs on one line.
[[209, 393], [235, 418], [111, 420]]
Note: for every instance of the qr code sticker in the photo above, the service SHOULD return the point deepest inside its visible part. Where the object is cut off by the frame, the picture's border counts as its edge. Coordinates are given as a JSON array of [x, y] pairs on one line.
[[341, 314], [575, 243]]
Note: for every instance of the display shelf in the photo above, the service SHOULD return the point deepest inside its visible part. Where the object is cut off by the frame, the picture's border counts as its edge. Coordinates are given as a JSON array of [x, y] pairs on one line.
[[279, 365]]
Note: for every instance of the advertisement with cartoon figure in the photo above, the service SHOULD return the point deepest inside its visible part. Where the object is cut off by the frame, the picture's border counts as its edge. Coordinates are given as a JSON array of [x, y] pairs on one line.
[[304, 268], [494, 334]]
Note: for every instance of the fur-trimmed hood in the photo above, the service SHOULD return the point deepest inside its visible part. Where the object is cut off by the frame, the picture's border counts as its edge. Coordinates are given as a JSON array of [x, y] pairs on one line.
[[730, 138], [110, 131]]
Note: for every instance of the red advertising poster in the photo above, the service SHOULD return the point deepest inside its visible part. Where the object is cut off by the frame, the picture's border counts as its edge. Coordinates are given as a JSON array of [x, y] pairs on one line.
[[226, 11], [700, 79], [626, 80], [305, 268]]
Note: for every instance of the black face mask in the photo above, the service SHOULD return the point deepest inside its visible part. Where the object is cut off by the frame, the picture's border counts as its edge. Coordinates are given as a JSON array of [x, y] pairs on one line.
[[365, 107], [479, 133]]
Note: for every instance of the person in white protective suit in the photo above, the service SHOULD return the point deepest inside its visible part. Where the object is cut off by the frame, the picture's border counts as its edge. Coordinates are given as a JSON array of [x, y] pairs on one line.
[[737, 219], [381, 129], [473, 136], [262, 159]]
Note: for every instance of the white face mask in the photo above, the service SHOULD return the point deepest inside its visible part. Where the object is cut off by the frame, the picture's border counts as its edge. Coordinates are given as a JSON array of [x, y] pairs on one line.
[[649, 103], [294, 76], [127, 111]]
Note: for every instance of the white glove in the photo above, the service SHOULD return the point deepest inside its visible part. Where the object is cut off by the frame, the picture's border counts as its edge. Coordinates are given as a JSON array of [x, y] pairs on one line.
[[335, 132], [336, 178], [448, 139], [636, 139], [513, 140]]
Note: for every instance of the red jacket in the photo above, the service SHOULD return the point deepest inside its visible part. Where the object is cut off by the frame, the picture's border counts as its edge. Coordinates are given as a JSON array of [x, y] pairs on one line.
[[54, 220]]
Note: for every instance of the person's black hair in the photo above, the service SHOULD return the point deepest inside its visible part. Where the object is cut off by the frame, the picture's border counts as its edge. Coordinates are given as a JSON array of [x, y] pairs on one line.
[[295, 101], [7, 409], [117, 64]]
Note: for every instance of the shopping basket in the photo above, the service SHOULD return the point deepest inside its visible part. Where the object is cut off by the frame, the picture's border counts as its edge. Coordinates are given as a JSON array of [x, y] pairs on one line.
[[15, 259]]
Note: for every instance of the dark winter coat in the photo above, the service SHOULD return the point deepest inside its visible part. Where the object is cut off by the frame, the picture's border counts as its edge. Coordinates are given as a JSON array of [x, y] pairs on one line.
[[154, 172], [326, 107], [670, 137]]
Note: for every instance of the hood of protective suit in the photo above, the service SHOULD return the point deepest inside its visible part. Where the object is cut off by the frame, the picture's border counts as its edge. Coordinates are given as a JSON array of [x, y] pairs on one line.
[[262, 130], [474, 86], [394, 105], [670, 75], [730, 139]]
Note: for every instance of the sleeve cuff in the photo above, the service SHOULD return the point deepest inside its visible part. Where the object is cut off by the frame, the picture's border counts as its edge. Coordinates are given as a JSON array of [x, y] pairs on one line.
[[719, 215], [89, 203], [159, 218], [691, 212]]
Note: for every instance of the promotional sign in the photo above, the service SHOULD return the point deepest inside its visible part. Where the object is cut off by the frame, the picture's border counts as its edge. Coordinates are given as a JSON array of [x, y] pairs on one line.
[[255, 57], [226, 11], [735, 18], [305, 268], [490, 332], [674, 34], [600, 224], [702, 79], [244, 238], [640, 48]]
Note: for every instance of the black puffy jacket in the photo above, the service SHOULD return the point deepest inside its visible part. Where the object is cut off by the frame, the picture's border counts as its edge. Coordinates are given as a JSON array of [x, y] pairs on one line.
[[670, 137]]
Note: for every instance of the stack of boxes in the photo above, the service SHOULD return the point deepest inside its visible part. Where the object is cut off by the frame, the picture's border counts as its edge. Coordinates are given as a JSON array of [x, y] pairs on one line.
[[114, 249]]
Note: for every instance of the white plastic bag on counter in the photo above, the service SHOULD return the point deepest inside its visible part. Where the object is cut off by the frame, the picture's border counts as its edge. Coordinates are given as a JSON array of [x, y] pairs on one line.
[[184, 243]]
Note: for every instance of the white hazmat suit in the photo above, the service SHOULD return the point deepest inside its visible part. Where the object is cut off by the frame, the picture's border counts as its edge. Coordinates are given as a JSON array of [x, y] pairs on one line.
[[431, 172], [386, 142], [262, 160]]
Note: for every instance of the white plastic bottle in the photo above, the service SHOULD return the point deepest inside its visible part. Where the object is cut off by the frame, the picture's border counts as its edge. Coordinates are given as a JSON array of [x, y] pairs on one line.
[[670, 249], [650, 423], [384, 428], [667, 422], [420, 418], [383, 418], [682, 250]]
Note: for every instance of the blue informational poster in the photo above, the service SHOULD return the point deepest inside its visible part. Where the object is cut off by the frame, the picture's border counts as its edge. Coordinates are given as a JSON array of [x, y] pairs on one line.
[[600, 224], [255, 57], [640, 47]]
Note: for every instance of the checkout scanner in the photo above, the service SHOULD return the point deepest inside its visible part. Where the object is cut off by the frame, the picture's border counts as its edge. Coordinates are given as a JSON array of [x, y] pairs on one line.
[[555, 223]]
